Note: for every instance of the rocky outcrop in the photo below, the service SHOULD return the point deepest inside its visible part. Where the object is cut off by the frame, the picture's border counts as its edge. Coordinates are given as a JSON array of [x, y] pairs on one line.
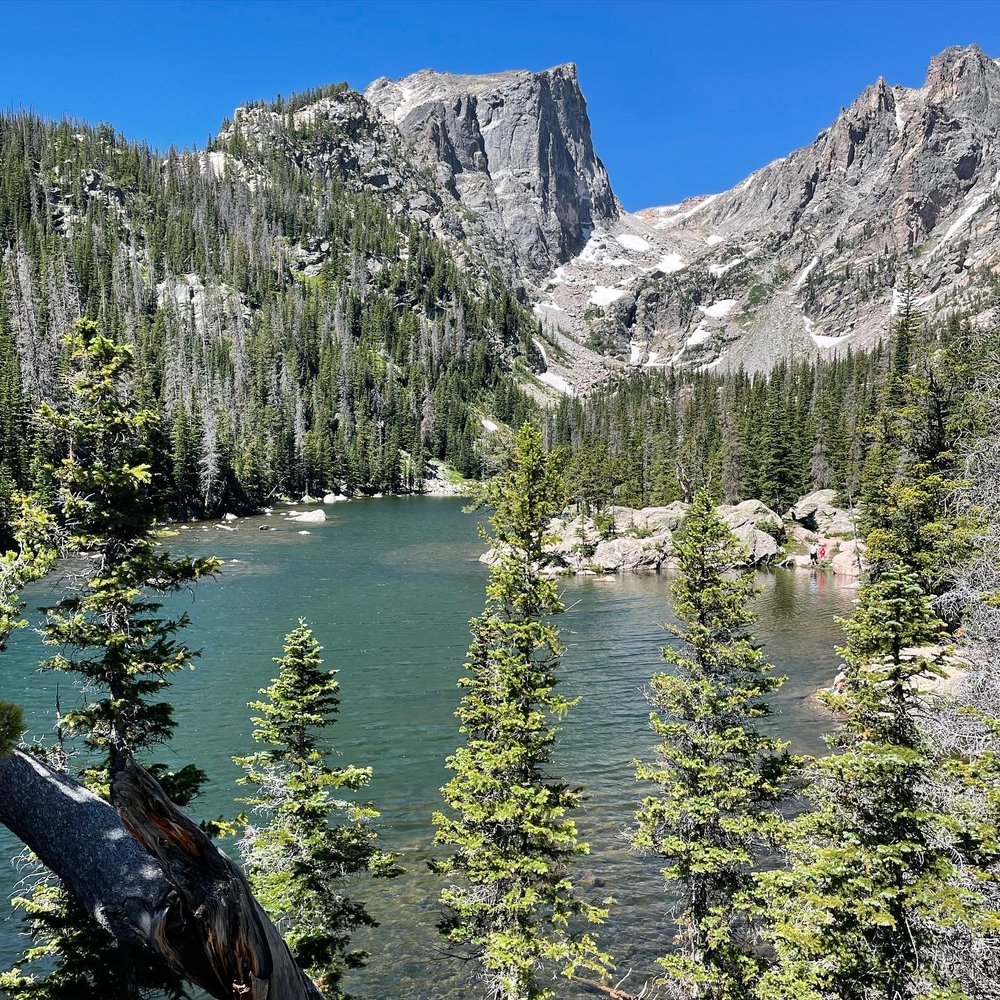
[[807, 255], [817, 512], [849, 559], [514, 148]]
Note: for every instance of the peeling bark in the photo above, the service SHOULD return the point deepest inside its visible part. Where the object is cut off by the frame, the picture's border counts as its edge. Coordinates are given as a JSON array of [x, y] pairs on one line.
[[152, 878]]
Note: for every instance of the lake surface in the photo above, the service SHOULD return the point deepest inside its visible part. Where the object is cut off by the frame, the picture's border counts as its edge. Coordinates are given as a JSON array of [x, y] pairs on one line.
[[388, 586]]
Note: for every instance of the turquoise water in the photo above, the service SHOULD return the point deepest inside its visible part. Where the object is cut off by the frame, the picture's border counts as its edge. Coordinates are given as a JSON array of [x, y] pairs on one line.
[[389, 586]]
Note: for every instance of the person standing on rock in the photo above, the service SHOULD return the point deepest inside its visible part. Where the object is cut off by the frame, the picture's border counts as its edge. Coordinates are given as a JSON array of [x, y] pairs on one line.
[[813, 554]]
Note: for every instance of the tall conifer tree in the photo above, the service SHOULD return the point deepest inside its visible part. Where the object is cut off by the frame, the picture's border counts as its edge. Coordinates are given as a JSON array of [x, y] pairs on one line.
[[300, 861], [510, 897], [717, 777]]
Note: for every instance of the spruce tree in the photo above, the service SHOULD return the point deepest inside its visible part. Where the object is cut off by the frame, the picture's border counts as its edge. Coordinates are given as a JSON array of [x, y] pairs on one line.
[[111, 637], [511, 902], [301, 858], [717, 777], [873, 866]]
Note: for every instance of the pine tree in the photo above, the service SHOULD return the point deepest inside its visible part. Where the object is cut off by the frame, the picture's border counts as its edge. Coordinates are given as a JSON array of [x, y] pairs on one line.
[[511, 902], [299, 861], [873, 866], [110, 636], [718, 778]]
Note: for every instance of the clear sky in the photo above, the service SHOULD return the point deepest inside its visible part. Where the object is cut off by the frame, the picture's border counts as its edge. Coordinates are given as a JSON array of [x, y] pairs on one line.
[[685, 98]]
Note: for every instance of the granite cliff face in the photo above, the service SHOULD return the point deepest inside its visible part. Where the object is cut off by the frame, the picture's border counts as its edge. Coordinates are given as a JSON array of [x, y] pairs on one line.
[[808, 255], [514, 148]]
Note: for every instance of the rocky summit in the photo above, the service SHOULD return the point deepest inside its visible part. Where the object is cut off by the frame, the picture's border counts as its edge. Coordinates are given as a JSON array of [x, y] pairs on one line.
[[514, 148], [810, 254], [895, 205]]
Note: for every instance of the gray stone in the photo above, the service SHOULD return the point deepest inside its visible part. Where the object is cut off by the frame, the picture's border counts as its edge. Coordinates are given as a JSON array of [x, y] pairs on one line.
[[515, 148], [309, 517], [760, 546]]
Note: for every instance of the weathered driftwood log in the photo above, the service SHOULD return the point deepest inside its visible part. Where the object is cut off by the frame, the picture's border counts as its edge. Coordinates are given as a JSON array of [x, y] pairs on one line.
[[152, 877]]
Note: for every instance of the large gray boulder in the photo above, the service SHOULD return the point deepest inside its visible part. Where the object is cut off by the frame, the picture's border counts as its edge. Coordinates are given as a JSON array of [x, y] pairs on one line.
[[631, 555], [760, 546], [849, 560], [752, 513], [309, 517], [817, 512], [663, 518]]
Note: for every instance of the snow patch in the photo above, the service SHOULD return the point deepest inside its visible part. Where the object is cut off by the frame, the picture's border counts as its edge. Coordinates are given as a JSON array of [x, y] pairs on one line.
[[651, 360], [700, 335], [719, 309], [603, 296], [709, 365], [488, 424], [807, 270], [632, 242], [820, 339], [670, 263], [557, 382], [635, 347], [977, 203], [669, 216], [718, 270], [541, 350], [540, 307], [714, 240]]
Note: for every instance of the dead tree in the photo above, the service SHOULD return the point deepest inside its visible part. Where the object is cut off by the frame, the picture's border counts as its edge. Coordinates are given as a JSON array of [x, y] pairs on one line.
[[150, 876]]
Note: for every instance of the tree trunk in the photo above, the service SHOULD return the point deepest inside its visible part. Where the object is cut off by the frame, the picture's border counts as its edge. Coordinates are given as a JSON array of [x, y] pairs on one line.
[[152, 878]]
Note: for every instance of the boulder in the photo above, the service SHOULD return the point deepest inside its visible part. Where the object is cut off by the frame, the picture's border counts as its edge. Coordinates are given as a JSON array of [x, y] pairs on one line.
[[570, 535], [309, 516], [751, 513], [228, 517], [806, 506], [308, 499], [849, 559], [760, 546], [663, 518], [333, 498], [631, 554], [624, 517], [817, 512]]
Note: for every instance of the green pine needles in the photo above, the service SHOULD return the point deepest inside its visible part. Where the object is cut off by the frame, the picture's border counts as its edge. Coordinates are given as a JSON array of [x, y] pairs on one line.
[[717, 778], [875, 866], [300, 860], [510, 898], [108, 629], [111, 638]]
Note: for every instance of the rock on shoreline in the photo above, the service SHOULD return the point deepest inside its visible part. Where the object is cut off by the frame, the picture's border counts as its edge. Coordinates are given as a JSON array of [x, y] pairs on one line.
[[629, 540]]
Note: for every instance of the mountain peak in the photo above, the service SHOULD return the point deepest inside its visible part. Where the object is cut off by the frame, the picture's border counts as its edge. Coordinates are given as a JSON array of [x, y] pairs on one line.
[[515, 148]]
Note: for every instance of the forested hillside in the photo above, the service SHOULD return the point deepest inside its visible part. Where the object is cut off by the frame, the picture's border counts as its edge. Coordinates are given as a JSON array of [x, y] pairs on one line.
[[293, 328], [659, 437]]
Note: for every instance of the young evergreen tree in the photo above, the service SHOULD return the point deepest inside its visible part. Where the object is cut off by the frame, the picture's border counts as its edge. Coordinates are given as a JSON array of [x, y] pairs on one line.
[[510, 897], [111, 637], [300, 861], [873, 866], [718, 778]]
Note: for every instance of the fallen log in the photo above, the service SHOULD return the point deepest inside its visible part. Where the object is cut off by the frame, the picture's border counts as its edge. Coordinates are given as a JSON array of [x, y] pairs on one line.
[[149, 875]]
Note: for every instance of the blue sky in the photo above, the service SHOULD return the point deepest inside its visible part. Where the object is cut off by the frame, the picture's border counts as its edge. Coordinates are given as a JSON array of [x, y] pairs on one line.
[[684, 98]]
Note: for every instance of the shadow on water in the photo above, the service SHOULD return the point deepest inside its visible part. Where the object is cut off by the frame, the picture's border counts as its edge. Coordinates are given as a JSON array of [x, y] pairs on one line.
[[389, 587]]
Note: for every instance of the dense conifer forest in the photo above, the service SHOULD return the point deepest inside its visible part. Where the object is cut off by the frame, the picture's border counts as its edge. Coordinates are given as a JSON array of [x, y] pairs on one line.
[[269, 377]]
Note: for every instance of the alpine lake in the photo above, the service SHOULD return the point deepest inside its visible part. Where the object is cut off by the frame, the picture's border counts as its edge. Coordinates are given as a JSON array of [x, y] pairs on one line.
[[388, 586]]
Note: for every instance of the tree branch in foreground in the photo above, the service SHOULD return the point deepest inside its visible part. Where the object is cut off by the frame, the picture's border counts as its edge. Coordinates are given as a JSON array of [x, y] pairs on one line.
[[152, 878]]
